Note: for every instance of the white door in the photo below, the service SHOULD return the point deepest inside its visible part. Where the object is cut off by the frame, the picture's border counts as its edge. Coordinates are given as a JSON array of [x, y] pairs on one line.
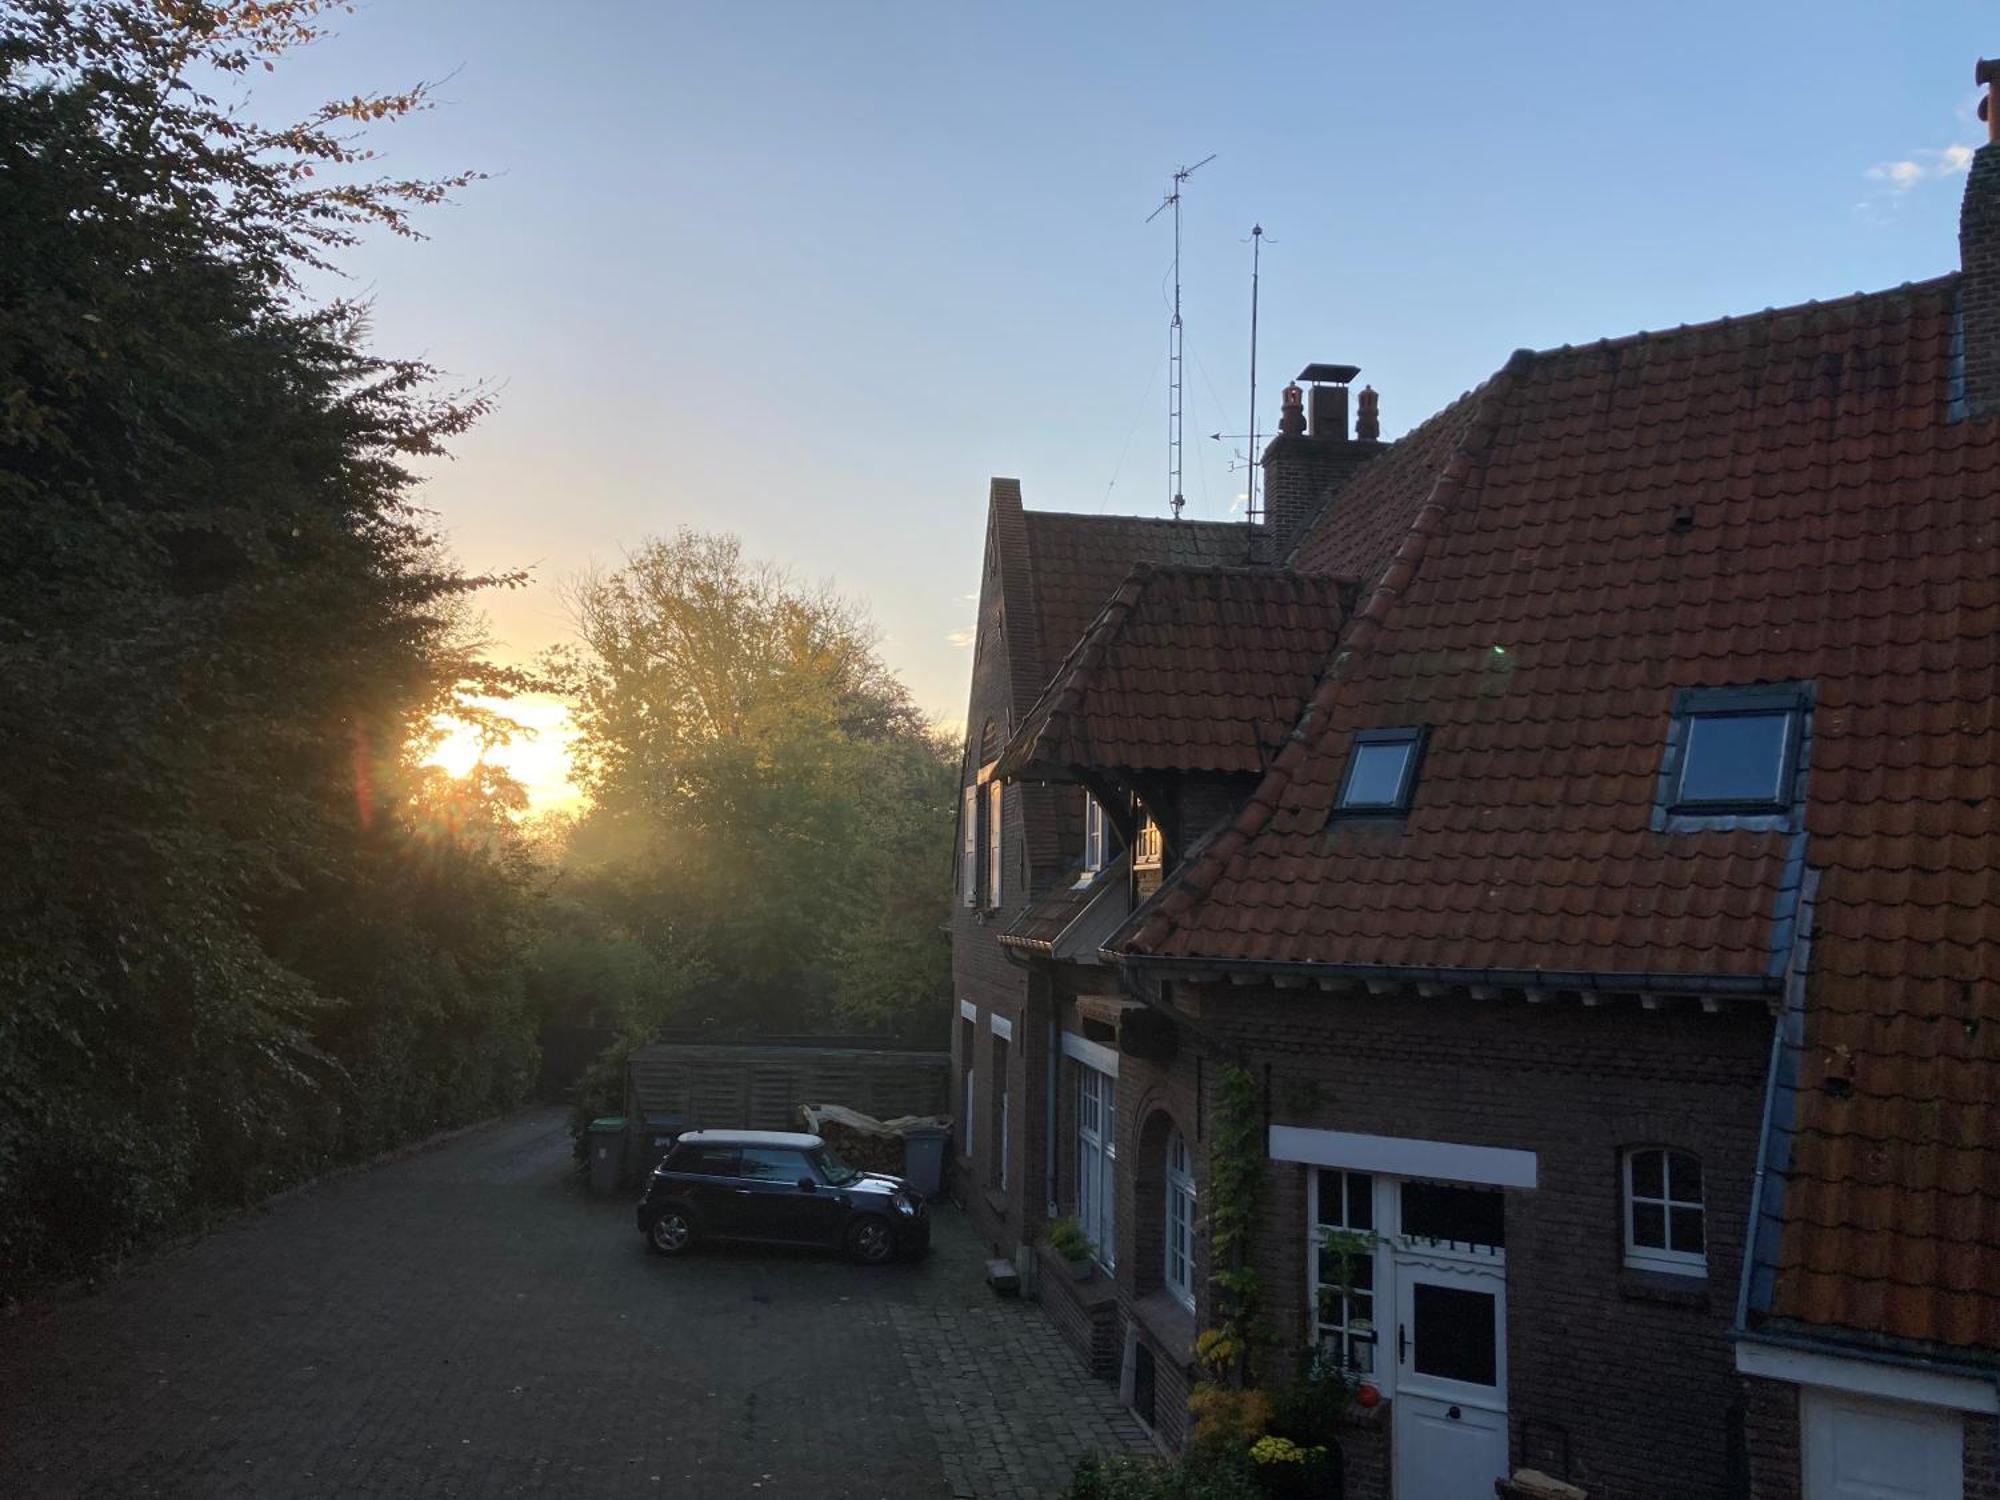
[[1450, 1411], [1860, 1448]]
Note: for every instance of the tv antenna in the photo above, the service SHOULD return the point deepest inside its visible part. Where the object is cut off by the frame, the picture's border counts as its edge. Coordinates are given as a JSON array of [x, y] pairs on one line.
[[1256, 259], [1175, 339]]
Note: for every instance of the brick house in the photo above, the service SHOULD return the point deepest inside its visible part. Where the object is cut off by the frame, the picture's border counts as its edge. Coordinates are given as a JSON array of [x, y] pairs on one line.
[[1582, 829]]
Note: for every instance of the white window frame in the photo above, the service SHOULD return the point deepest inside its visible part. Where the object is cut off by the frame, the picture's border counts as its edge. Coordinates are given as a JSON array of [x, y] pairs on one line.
[[1382, 1198], [1149, 850], [1097, 1161], [1182, 1202], [1003, 1031], [1093, 835], [968, 860], [996, 823], [970, 1012], [1660, 1257]]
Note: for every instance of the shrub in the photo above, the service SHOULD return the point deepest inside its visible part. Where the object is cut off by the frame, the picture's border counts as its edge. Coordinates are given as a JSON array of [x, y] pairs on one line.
[[1198, 1476], [1066, 1237]]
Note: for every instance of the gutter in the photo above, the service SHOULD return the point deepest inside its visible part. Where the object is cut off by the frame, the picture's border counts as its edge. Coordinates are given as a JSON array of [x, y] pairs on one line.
[[1548, 979]]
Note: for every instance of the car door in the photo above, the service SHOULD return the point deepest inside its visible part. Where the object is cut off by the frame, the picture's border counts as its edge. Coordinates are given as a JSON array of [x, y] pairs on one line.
[[775, 1206]]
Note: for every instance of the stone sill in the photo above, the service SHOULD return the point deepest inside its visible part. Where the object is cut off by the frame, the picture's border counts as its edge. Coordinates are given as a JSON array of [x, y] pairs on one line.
[[1089, 1294]]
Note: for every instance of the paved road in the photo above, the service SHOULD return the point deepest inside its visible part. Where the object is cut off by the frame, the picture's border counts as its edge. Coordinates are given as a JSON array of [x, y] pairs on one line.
[[467, 1321]]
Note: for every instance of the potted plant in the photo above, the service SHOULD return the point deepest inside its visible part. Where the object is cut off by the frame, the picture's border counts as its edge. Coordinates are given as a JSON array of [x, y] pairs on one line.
[[1067, 1239]]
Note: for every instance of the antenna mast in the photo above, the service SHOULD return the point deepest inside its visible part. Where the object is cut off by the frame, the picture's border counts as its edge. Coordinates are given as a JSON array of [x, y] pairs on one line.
[[1256, 257], [1174, 340]]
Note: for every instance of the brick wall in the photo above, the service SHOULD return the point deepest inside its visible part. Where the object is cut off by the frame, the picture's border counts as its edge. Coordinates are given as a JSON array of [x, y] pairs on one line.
[[1594, 1353], [1299, 474], [1084, 1312], [1771, 1437], [1979, 291], [1982, 1458]]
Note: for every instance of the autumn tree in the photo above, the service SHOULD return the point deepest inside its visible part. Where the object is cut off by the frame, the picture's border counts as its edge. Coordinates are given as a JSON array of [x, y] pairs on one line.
[[768, 803]]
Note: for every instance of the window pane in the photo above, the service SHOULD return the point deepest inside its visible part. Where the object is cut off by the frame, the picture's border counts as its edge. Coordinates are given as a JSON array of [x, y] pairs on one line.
[[1360, 1201], [774, 1164], [1454, 1334], [1329, 1197], [1646, 1182], [1684, 1177], [1649, 1228], [1436, 1211], [1734, 758], [1375, 773], [1687, 1230]]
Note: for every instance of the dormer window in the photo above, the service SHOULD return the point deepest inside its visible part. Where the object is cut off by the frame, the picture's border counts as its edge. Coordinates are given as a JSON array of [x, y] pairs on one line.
[[1381, 771], [1734, 751], [1093, 835]]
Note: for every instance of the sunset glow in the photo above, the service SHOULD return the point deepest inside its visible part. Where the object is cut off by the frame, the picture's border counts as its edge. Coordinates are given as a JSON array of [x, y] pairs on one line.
[[537, 757]]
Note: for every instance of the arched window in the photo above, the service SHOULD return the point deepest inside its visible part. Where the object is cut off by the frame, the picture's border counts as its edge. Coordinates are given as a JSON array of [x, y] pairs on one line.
[[1180, 1218], [1665, 1222]]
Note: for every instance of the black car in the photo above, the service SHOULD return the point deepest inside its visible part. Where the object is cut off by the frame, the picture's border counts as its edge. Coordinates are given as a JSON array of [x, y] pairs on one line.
[[778, 1188]]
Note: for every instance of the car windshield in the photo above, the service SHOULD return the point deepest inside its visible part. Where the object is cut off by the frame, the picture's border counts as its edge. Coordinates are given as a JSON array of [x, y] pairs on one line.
[[831, 1167]]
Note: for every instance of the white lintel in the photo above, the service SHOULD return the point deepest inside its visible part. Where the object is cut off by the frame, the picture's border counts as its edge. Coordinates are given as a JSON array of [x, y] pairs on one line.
[[1403, 1156], [1091, 1054], [1002, 1027], [970, 1011], [1867, 1377]]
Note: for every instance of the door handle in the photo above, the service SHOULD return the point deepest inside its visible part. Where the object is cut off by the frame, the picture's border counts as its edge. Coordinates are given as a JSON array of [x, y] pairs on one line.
[[1402, 1345]]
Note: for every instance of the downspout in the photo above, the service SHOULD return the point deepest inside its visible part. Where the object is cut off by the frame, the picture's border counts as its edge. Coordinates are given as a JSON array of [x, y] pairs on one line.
[[1049, 1109]]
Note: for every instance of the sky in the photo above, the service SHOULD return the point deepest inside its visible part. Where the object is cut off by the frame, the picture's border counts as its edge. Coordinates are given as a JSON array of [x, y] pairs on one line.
[[812, 272]]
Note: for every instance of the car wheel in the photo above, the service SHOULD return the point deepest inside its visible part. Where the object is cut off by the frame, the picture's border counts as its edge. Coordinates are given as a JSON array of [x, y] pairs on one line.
[[871, 1241], [672, 1233]]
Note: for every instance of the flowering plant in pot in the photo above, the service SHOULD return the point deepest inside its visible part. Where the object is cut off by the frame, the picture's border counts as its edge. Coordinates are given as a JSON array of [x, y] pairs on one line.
[[1067, 1239]]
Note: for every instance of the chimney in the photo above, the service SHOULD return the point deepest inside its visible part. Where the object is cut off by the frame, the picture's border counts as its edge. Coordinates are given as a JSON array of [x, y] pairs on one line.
[[1979, 259], [1313, 454]]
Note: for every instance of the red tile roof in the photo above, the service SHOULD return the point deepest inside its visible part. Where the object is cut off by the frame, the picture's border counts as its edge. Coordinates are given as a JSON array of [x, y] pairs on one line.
[[1056, 572], [1185, 669], [1768, 499]]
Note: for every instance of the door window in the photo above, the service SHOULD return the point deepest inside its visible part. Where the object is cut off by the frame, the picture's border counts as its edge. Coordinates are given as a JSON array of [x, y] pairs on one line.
[[1452, 1336]]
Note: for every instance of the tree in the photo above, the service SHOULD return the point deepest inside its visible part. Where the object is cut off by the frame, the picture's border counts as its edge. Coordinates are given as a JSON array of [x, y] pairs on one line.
[[241, 932], [768, 803]]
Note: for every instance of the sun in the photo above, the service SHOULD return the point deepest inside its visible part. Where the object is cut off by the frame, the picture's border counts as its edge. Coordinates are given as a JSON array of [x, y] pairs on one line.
[[537, 758]]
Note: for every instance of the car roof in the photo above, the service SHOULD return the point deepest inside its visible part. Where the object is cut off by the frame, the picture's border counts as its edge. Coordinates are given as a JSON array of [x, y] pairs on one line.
[[751, 1138]]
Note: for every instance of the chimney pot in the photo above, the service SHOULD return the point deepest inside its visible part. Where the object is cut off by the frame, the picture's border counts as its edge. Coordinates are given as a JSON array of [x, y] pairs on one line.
[[1368, 420], [1292, 415]]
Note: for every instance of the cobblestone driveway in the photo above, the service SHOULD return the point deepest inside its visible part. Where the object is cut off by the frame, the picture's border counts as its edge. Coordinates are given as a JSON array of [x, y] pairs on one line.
[[466, 1321]]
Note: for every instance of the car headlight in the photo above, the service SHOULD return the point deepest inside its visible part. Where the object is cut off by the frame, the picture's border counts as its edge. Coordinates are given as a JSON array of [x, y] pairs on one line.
[[904, 1205]]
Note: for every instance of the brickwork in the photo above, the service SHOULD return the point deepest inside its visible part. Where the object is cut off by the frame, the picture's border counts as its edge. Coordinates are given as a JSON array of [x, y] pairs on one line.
[[1085, 1313], [1982, 1458], [1979, 289], [1623, 1367], [1771, 1437], [1299, 475]]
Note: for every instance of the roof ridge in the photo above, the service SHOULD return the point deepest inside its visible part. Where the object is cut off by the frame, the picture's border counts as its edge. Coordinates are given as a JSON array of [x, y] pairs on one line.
[[1094, 516], [1735, 320], [1195, 879]]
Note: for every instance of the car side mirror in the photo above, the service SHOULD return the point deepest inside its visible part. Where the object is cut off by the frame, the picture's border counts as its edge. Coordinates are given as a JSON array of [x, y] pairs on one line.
[[807, 1185]]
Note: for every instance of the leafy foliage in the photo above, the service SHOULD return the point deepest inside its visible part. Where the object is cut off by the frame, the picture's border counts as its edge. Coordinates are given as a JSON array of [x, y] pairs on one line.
[[771, 815], [1199, 1475], [242, 932]]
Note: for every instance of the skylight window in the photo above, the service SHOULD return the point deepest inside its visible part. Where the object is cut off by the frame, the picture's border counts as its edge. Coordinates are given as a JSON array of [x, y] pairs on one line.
[[1737, 751], [1381, 771]]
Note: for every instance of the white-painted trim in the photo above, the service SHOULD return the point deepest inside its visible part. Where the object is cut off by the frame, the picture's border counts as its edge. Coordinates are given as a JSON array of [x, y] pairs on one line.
[[1401, 1156], [1090, 1054], [1867, 1377], [968, 1010], [1002, 1027]]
